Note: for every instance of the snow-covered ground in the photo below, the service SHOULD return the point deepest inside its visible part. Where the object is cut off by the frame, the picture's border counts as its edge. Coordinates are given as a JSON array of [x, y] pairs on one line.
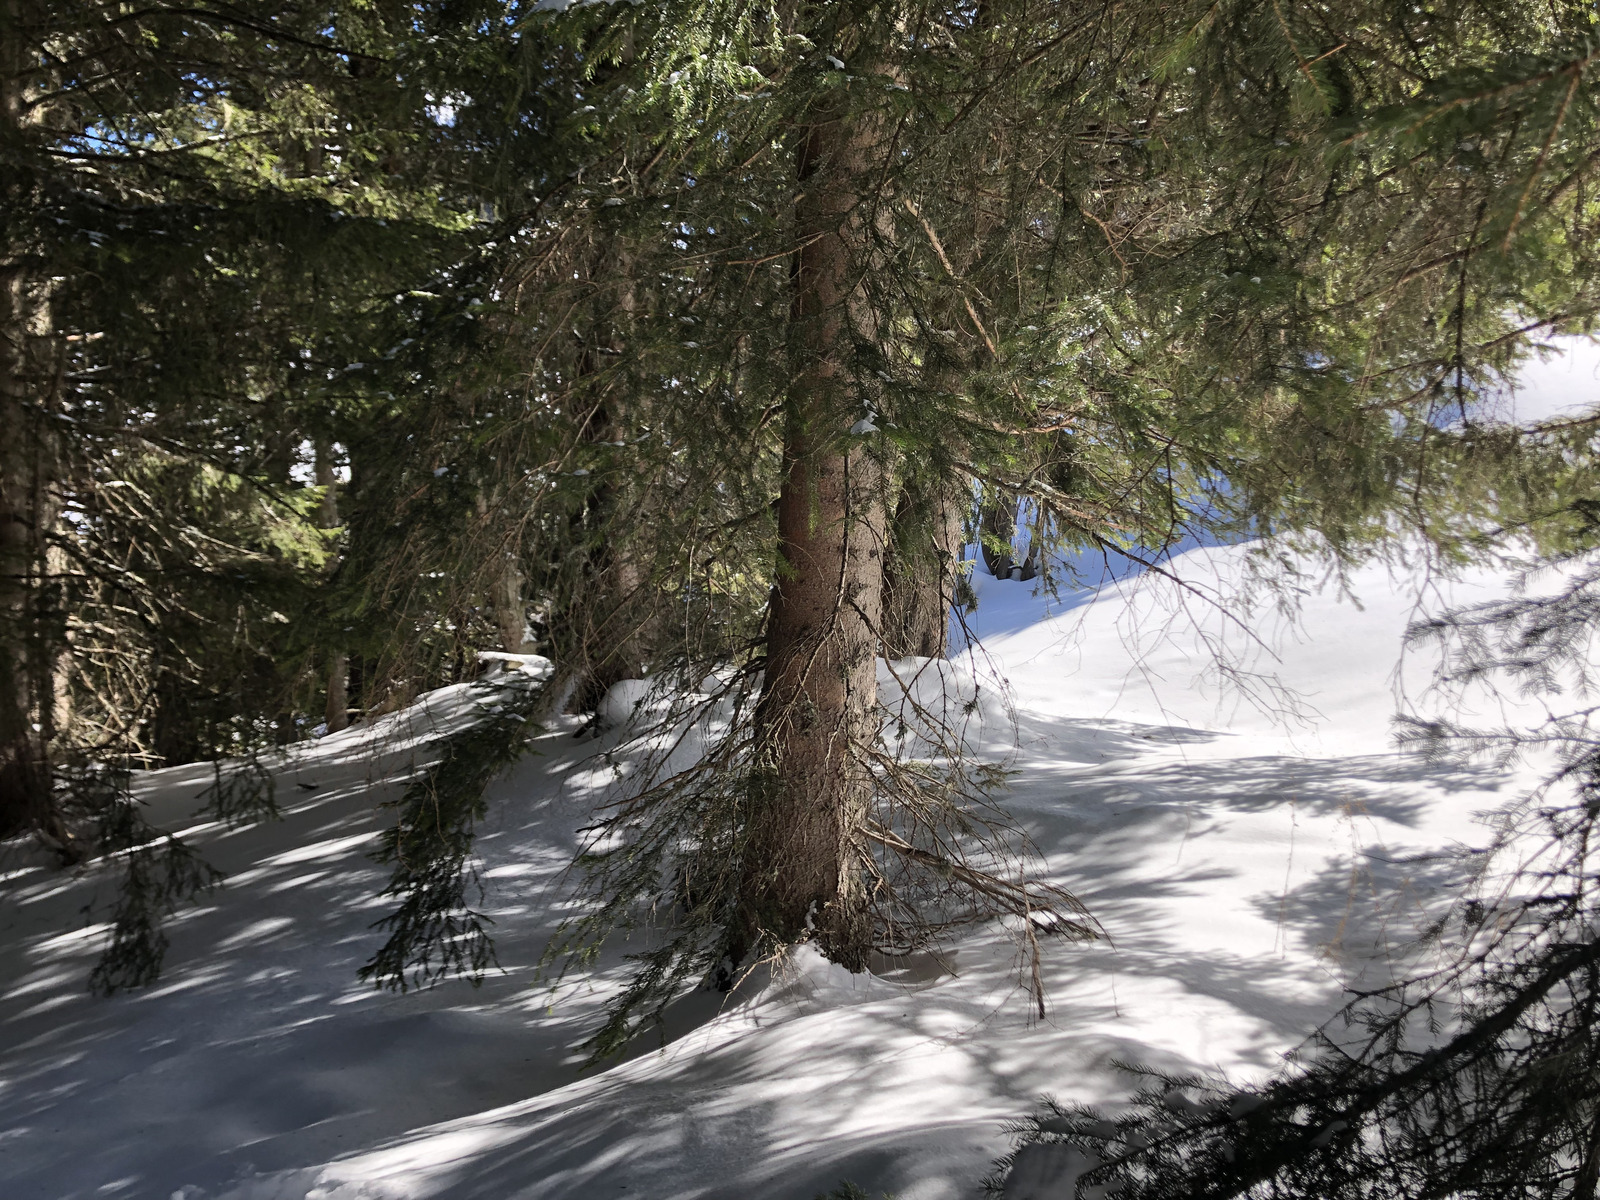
[[1245, 863]]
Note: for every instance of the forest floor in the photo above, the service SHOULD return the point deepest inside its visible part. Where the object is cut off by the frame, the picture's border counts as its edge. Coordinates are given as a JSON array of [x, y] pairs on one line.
[[1248, 862]]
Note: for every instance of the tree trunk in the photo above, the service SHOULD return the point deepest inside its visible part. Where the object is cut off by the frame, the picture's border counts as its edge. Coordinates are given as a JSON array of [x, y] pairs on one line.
[[609, 628], [507, 603], [921, 571], [606, 627], [817, 713], [997, 526], [998, 529], [336, 710], [612, 628], [27, 634], [30, 629], [336, 713], [174, 735]]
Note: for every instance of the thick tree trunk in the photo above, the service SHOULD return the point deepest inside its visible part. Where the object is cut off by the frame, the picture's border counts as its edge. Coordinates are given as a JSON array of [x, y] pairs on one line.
[[31, 636], [817, 713], [28, 641], [921, 572]]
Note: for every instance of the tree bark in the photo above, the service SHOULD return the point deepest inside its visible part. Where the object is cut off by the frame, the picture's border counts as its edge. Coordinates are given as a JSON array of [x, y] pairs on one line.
[[921, 572], [28, 642], [811, 790], [174, 735], [508, 605], [336, 709], [506, 601], [616, 631], [31, 636], [998, 526], [613, 627]]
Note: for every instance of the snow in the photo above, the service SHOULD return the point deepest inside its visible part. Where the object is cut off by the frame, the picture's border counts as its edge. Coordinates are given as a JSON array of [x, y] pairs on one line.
[[622, 703], [1245, 863], [540, 667], [1048, 1172]]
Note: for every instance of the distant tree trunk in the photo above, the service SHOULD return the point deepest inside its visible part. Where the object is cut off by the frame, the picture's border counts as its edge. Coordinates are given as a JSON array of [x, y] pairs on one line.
[[604, 627], [811, 793], [360, 677], [998, 530], [509, 605], [997, 525], [616, 629], [282, 441], [921, 571], [613, 628], [607, 626], [336, 711], [623, 636], [173, 733], [30, 634], [507, 602]]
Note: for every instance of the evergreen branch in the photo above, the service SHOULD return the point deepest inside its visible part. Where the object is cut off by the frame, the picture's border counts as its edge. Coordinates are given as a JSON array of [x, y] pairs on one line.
[[1538, 163], [434, 933]]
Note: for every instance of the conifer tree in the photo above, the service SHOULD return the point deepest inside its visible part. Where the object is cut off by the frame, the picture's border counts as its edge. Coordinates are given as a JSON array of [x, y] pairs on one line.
[[211, 219], [1466, 137], [811, 792], [1198, 294], [923, 576], [684, 335], [221, 198], [28, 484]]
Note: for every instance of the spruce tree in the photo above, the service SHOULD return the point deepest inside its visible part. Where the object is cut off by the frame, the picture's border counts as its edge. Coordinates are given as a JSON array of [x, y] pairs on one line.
[[222, 200], [1464, 139], [684, 336], [212, 220], [1155, 270]]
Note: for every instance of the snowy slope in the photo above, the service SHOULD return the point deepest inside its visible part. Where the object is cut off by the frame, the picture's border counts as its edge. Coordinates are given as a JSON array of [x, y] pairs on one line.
[[1244, 865]]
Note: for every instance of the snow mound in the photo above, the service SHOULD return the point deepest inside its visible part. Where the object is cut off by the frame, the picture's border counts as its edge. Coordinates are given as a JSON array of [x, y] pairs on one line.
[[536, 665], [623, 702], [1049, 1172]]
